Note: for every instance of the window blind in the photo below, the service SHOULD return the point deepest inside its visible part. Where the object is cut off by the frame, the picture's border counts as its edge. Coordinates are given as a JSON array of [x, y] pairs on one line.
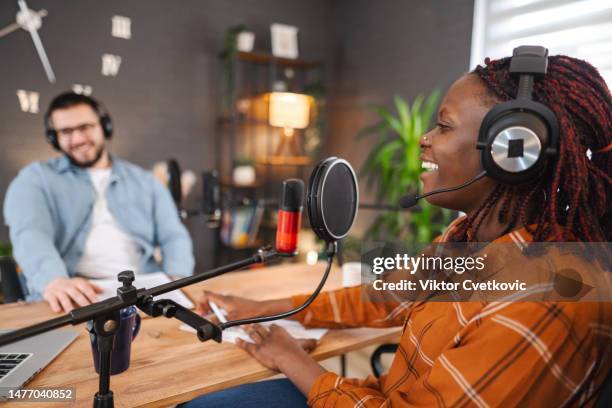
[[578, 28]]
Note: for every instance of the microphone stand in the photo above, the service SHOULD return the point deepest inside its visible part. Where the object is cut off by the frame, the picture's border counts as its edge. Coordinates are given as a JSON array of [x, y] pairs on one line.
[[103, 317]]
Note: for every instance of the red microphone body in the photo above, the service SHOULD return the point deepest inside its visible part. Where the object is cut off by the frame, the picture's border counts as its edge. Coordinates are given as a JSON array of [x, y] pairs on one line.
[[289, 216]]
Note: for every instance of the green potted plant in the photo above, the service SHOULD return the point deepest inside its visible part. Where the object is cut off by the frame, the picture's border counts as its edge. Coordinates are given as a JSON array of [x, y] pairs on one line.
[[229, 55], [392, 169], [6, 250], [314, 133]]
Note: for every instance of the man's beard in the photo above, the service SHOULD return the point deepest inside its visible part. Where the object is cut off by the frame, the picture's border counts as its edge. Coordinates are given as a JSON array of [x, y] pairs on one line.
[[88, 163]]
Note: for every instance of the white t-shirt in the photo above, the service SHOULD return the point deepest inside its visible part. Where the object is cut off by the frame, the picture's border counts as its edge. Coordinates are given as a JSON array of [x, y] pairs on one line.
[[108, 249]]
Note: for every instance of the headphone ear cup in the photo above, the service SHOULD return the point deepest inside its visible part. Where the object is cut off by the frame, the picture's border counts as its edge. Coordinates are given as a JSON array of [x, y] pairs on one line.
[[107, 125], [515, 142], [52, 138], [51, 134]]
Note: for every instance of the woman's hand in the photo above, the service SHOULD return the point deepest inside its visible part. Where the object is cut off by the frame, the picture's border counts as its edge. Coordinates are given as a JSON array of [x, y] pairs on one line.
[[239, 308], [273, 347], [277, 350]]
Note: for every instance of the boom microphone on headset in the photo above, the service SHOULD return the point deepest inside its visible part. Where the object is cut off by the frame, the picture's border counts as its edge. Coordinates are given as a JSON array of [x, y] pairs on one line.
[[408, 201]]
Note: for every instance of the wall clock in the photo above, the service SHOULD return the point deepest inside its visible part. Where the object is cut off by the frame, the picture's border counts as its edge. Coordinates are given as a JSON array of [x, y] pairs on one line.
[[31, 21]]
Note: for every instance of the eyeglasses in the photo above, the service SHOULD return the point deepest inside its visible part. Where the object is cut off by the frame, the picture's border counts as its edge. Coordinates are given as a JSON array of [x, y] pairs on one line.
[[84, 128]]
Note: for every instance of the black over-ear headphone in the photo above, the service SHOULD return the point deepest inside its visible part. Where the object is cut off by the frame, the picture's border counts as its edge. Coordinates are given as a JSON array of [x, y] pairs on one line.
[[74, 99], [518, 137]]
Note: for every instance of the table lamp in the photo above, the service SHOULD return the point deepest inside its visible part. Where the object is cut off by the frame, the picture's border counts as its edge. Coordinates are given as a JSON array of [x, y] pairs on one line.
[[289, 111]]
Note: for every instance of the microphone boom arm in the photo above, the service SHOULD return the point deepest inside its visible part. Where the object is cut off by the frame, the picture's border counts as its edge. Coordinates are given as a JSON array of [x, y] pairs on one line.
[[103, 317], [128, 295]]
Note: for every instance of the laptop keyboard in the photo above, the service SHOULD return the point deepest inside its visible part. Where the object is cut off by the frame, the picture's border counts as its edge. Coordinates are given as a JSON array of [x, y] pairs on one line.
[[8, 362]]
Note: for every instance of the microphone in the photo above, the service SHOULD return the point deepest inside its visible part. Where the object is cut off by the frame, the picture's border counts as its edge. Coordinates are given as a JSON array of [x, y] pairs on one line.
[[173, 172], [289, 216], [408, 201], [211, 194]]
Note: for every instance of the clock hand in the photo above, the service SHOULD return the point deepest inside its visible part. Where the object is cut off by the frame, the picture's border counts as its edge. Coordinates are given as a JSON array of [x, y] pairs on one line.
[[31, 26], [15, 26], [9, 29]]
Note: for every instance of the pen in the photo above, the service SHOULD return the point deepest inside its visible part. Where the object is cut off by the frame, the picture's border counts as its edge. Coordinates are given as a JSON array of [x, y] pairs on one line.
[[217, 311], [221, 316]]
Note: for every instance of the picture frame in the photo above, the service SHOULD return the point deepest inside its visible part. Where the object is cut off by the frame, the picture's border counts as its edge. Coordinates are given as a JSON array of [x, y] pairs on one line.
[[284, 41]]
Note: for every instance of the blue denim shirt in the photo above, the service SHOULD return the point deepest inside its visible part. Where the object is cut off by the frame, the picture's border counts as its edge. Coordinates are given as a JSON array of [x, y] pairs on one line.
[[48, 209]]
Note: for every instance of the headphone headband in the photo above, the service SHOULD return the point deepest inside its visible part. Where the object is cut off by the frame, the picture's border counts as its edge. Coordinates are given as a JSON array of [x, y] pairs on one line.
[[529, 59]]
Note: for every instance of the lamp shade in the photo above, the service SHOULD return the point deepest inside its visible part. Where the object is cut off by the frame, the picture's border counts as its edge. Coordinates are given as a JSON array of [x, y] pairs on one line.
[[289, 110]]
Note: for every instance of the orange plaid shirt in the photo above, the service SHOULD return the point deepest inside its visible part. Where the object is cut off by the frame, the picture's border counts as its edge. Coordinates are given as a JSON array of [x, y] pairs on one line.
[[467, 354]]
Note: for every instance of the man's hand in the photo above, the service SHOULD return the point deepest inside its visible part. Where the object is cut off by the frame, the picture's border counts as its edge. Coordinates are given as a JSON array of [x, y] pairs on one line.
[[64, 293], [274, 347]]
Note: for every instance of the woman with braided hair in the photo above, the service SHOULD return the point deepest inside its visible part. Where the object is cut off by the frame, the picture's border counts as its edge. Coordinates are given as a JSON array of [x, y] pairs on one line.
[[508, 354], [573, 198]]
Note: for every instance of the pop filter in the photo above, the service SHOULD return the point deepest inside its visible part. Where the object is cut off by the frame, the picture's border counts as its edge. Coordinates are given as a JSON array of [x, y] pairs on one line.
[[333, 199]]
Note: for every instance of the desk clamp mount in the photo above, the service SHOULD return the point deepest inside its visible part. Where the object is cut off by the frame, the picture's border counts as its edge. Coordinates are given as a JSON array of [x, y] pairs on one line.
[[105, 328]]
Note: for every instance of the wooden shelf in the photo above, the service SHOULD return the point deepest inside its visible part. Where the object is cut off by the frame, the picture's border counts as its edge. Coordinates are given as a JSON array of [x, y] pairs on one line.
[[225, 182], [285, 160], [224, 120], [253, 245], [247, 117], [263, 58]]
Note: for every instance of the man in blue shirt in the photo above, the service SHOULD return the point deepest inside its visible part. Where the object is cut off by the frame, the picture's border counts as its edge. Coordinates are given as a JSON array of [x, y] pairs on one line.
[[87, 214]]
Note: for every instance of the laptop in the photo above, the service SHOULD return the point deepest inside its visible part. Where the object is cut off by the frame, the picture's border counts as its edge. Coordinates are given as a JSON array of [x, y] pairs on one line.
[[22, 360]]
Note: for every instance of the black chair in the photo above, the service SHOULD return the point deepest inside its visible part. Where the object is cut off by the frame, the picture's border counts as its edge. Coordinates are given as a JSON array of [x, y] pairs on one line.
[[375, 362], [11, 285], [604, 399], [605, 396]]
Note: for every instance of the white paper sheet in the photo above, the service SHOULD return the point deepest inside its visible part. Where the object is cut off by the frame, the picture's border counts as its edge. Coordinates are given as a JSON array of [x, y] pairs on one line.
[[295, 329], [145, 280]]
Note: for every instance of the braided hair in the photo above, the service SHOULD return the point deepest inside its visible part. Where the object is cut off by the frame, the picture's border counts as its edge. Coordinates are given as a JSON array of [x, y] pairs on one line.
[[571, 199]]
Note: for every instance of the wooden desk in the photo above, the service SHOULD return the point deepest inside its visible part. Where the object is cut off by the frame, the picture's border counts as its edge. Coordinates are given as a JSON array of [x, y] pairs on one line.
[[168, 365]]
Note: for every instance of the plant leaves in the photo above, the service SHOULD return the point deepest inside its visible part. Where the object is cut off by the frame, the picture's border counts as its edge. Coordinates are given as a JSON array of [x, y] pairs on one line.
[[393, 166], [389, 120]]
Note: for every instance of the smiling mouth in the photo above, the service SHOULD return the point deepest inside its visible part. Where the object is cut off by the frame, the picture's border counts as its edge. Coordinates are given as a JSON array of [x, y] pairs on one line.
[[82, 148], [429, 166]]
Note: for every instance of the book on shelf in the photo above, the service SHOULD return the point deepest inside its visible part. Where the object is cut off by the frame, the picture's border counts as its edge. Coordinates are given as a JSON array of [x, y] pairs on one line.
[[241, 224]]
